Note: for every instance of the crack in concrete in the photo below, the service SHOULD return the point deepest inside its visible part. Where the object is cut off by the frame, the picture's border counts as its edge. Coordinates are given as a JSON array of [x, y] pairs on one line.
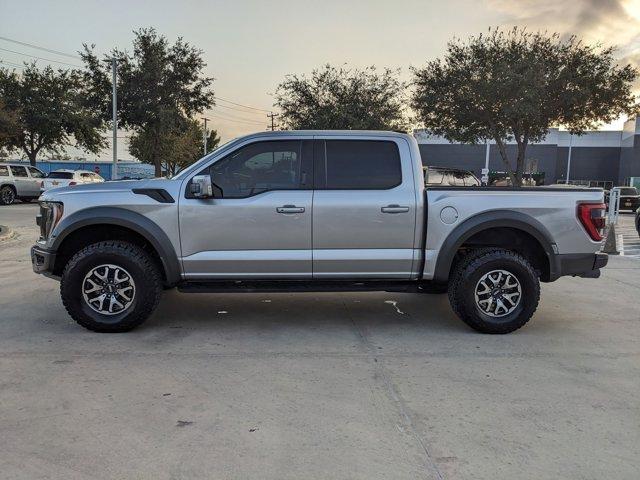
[[396, 398]]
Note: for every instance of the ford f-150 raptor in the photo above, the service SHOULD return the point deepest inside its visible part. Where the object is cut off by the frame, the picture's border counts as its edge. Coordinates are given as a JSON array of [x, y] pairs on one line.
[[313, 211]]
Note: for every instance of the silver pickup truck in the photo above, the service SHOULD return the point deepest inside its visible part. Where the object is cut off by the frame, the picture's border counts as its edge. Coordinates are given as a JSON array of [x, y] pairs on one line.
[[313, 211]]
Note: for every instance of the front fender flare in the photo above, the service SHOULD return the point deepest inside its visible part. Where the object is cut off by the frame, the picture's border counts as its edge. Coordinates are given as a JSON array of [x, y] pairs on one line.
[[123, 218]]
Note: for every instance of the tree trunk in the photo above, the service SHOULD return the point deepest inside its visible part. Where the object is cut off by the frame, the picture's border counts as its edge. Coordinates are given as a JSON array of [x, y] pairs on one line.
[[32, 158], [520, 164], [505, 159], [156, 163]]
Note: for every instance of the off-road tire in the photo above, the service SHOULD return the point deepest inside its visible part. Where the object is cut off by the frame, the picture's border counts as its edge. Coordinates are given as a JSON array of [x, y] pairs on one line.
[[468, 272], [7, 195], [143, 270]]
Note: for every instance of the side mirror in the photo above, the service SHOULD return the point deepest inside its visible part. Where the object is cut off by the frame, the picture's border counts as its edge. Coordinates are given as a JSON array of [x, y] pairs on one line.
[[201, 186]]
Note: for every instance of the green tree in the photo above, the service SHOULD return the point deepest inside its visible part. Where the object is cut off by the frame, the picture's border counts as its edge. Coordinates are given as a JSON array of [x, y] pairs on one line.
[[177, 148], [514, 85], [44, 110], [160, 86], [340, 98], [213, 140]]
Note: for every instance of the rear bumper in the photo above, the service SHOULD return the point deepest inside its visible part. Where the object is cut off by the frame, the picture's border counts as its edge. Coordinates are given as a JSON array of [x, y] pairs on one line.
[[43, 261], [579, 264]]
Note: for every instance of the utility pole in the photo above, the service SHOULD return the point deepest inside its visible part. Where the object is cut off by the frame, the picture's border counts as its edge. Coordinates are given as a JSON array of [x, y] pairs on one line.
[[569, 157], [205, 134], [114, 169], [272, 116]]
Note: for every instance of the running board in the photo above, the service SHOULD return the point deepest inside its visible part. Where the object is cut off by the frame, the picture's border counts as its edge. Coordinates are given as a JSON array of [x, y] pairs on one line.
[[274, 286]]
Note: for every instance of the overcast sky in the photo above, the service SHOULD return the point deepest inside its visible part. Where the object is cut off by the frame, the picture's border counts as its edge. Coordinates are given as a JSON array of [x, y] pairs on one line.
[[250, 45]]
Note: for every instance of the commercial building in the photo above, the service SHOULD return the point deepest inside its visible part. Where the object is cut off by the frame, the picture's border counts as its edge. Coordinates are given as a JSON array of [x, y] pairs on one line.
[[605, 157]]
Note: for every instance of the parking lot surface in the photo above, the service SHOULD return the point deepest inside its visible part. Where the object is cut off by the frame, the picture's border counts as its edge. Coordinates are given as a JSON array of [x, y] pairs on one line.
[[278, 386]]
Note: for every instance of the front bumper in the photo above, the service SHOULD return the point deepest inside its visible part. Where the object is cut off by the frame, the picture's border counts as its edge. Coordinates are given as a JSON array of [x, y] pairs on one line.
[[42, 260], [586, 265]]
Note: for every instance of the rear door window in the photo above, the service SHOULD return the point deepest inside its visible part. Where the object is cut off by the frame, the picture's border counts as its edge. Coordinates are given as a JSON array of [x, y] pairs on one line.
[[362, 165], [19, 171], [4, 171]]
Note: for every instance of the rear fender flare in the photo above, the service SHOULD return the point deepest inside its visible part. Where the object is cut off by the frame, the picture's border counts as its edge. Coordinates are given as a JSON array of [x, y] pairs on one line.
[[487, 220]]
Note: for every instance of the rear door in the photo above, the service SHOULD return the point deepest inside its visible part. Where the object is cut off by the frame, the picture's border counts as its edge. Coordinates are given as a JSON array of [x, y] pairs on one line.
[[37, 177], [23, 183], [364, 209]]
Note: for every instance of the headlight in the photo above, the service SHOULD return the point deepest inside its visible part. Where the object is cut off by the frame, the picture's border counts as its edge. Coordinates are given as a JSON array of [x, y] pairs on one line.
[[50, 215]]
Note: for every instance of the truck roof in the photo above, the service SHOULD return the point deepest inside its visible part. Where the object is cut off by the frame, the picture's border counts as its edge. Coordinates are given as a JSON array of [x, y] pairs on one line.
[[328, 133]]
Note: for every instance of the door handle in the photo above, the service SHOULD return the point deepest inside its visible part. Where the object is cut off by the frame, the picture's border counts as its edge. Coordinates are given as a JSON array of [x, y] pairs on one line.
[[394, 209], [290, 209]]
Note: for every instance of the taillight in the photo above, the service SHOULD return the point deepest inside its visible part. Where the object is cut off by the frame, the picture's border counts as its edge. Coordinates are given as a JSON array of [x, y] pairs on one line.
[[72, 183], [592, 216]]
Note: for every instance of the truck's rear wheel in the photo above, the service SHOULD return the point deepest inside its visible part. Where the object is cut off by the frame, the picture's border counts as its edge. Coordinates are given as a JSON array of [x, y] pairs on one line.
[[494, 290], [111, 286]]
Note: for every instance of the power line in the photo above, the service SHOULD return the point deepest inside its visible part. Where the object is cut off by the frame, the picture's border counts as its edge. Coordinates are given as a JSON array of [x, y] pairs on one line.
[[237, 117], [40, 58], [57, 52], [241, 105], [239, 110], [246, 122], [12, 64]]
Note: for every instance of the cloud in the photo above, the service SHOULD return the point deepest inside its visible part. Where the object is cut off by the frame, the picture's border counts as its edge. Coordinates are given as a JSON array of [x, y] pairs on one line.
[[610, 22]]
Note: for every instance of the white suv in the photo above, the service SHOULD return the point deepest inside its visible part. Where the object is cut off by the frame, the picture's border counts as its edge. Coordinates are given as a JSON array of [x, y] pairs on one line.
[[66, 178], [19, 181]]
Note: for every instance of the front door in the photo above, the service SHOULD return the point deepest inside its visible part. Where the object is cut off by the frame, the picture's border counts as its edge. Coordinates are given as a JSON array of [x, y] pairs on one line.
[[364, 210], [259, 224]]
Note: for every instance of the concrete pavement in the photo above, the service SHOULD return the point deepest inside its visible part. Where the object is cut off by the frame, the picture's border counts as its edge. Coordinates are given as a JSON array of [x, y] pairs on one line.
[[282, 386]]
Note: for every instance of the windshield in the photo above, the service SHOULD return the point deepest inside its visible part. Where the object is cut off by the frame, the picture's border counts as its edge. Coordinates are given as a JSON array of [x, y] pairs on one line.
[[64, 175], [628, 191]]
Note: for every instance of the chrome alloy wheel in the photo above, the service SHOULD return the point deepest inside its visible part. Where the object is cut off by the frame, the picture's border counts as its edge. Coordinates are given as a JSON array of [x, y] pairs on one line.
[[108, 289], [498, 293]]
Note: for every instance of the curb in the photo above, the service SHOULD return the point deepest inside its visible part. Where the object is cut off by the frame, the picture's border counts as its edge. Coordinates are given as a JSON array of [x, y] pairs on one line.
[[5, 233]]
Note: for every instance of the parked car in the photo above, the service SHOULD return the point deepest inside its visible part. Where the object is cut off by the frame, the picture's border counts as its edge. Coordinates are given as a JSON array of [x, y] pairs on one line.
[[19, 181], [313, 211], [443, 176], [629, 198], [638, 221], [65, 178]]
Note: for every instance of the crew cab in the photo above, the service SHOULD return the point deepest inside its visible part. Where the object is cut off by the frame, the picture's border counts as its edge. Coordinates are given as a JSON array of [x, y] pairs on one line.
[[313, 211]]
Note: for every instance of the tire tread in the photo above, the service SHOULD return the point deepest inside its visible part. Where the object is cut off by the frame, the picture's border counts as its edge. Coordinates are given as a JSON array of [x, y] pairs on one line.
[[133, 252]]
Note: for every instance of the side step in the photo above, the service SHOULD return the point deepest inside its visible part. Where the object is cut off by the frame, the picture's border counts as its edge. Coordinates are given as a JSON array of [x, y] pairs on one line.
[[274, 286]]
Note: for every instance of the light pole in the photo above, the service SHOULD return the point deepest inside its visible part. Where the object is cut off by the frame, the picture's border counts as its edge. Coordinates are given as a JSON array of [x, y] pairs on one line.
[[114, 92], [485, 170], [569, 157]]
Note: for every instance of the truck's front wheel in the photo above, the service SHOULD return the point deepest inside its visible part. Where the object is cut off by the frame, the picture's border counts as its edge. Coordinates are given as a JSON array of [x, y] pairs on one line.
[[494, 290], [111, 286]]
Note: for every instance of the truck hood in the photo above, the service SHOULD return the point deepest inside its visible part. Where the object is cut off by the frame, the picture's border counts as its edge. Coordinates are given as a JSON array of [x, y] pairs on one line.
[[58, 194]]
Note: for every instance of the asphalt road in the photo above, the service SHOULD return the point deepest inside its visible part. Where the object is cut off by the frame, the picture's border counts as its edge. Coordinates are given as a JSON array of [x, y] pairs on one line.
[[300, 386]]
